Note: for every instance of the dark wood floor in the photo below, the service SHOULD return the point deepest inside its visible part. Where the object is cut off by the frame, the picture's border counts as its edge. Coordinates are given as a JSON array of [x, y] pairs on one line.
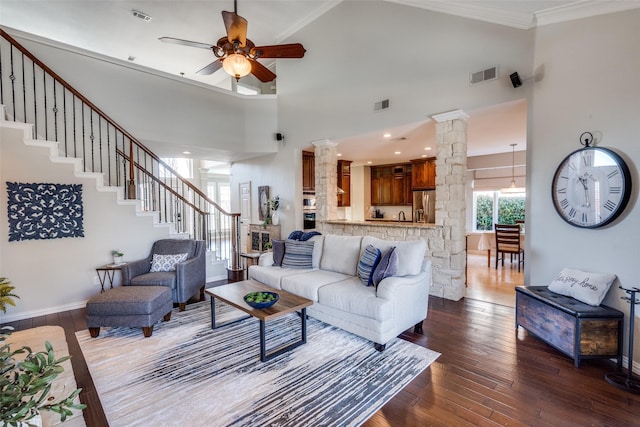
[[488, 374]]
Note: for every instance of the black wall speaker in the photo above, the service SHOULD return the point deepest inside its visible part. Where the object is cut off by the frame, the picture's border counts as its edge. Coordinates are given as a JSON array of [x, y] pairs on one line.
[[279, 137], [515, 80]]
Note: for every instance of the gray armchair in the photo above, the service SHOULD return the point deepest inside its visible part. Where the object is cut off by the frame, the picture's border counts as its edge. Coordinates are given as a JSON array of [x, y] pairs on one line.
[[188, 277]]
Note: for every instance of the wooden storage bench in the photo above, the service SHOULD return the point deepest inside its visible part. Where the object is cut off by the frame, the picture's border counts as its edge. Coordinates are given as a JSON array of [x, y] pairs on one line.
[[579, 330]]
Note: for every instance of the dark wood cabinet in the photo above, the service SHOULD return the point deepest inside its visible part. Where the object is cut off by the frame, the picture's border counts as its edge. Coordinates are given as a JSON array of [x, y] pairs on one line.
[[423, 174], [344, 182], [390, 186], [308, 171]]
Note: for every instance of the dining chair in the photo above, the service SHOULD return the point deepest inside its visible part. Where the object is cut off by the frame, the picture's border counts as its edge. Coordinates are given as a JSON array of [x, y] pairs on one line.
[[508, 242]]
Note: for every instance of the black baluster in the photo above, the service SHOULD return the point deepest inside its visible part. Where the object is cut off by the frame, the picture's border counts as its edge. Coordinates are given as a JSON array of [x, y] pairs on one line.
[[619, 379]]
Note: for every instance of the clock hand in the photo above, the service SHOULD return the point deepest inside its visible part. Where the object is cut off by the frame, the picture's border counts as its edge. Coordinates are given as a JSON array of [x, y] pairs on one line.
[[583, 181]]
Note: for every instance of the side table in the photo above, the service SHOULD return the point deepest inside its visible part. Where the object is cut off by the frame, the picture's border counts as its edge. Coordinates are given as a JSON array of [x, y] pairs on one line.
[[107, 271], [250, 258]]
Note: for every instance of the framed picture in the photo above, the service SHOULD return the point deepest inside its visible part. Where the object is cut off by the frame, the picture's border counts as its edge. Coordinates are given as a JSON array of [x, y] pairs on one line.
[[263, 202]]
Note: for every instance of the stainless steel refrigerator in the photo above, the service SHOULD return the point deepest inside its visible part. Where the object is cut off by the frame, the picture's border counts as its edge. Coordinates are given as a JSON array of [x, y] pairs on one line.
[[424, 206]]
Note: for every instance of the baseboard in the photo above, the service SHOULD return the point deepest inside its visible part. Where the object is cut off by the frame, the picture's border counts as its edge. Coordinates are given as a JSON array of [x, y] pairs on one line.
[[43, 312]]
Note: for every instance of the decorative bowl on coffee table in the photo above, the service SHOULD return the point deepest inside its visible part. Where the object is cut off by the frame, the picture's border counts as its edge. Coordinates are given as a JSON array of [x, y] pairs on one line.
[[261, 299]]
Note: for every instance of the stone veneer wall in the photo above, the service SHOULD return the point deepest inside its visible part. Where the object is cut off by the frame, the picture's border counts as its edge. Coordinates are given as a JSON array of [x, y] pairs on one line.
[[451, 179], [326, 174]]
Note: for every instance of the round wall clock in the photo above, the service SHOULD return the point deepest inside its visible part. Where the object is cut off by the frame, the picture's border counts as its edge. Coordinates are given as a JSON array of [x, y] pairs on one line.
[[591, 187]]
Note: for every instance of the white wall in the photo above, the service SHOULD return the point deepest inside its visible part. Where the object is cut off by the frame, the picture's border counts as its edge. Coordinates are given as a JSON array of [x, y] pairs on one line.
[[59, 274], [590, 83]]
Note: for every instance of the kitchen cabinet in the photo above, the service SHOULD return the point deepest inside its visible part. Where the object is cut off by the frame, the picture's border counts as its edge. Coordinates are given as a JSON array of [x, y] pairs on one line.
[[401, 186], [308, 171], [423, 174], [344, 182], [391, 185]]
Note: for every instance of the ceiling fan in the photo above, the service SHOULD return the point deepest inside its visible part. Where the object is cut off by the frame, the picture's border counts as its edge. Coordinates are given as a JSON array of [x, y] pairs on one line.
[[237, 54]]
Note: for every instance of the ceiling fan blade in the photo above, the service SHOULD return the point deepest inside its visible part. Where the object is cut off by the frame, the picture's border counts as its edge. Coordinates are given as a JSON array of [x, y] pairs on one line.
[[236, 27], [211, 68], [261, 72], [293, 50], [185, 42]]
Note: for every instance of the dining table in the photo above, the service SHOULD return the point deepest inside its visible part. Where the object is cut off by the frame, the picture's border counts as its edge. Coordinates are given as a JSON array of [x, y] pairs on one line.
[[487, 243]]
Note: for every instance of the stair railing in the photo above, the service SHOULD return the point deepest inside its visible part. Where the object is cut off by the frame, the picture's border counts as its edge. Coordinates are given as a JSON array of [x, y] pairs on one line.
[[33, 93]]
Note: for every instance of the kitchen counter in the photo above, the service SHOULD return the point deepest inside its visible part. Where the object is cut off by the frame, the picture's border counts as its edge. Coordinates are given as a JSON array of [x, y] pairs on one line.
[[381, 222]]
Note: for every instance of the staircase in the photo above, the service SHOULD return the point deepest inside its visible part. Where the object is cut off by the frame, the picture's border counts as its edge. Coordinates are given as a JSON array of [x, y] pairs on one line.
[[75, 132]]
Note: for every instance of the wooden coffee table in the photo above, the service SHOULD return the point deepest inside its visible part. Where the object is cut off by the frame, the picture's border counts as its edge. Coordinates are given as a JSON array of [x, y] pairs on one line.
[[233, 294]]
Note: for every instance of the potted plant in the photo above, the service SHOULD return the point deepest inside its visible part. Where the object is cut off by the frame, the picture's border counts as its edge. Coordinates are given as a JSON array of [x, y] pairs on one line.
[[117, 256], [25, 384], [6, 294]]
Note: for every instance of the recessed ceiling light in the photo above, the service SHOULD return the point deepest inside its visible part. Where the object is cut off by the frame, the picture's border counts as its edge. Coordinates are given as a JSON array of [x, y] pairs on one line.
[[369, 162], [339, 154], [427, 148], [387, 135], [397, 152], [186, 152], [424, 155]]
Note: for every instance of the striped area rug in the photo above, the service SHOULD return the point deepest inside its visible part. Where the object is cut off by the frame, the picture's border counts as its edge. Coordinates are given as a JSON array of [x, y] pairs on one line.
[[188, 374]]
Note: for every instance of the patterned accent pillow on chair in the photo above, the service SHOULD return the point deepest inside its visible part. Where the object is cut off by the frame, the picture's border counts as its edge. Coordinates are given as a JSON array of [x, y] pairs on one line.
[[166, 262]]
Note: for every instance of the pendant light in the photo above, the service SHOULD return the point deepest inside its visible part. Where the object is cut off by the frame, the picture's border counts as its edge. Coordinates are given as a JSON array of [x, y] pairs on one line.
[[513, 189]]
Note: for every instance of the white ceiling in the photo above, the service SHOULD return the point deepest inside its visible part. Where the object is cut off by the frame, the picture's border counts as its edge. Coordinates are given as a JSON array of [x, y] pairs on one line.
[[109, 28]]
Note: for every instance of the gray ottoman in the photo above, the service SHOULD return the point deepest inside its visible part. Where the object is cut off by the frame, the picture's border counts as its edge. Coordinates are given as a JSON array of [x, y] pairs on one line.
[[129, 306]]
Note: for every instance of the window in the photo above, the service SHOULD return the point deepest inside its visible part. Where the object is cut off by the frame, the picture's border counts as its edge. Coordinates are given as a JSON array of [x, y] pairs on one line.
[[184, 167], [494, 207]]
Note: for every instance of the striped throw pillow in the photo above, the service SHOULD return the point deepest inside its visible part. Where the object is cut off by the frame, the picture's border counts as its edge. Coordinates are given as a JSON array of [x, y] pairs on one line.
[[368, 262], [298, 254]]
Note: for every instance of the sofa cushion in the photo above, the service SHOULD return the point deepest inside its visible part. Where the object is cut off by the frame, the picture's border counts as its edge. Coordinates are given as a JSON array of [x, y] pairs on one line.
[[350, 296], [589, 288], [368, 263], [278, 252], [387, 267], [159, 278], [341, 254], [410, 253], [166, 262], [271, 276], [306, 285], [317, 250], [297, 254]]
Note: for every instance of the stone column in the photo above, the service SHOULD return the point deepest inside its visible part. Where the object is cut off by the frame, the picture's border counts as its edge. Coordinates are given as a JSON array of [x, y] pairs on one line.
[[451, 178], [326, 165]]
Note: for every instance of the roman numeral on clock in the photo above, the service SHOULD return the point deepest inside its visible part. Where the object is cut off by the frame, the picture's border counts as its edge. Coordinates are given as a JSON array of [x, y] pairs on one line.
[[613, 173], [564, 203], [615, 190], [609, 205]]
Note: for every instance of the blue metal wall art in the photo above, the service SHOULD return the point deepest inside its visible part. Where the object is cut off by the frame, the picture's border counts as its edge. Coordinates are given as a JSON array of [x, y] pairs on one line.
[[44, 211]]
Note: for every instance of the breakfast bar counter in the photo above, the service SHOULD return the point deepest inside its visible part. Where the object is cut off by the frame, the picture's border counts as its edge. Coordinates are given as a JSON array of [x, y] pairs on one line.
[[371, 222]]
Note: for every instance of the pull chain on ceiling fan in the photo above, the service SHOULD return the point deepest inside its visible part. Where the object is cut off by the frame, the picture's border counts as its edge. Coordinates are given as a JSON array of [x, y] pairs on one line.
[[238, 55]]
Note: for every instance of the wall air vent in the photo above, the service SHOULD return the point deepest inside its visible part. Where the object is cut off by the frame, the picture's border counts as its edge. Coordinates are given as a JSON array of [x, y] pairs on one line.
[[483, 76], [141, 15], [381, 105]]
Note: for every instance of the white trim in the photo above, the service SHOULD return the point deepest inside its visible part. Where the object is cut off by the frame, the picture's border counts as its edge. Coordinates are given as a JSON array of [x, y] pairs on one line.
[[584, 9], [49, 310], [300, 24], [324, 143], [450, 115]]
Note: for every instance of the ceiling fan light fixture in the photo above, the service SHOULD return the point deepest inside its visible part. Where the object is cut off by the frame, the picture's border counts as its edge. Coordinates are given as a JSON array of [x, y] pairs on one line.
[[236, 65]]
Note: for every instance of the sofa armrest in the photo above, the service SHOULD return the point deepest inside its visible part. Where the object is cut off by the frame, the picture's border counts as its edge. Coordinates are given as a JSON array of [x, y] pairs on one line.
[[134, 268], [409, 296], [266, 259], [191, 274]]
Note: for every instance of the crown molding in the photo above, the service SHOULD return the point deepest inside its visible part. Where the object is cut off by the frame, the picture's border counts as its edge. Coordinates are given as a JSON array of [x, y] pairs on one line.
[[297, 26], [450, 115], [524, 20], [520, 20], [584, 9]]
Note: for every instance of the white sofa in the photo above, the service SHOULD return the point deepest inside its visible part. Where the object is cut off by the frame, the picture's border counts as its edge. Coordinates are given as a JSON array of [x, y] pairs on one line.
[[339, 296]]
